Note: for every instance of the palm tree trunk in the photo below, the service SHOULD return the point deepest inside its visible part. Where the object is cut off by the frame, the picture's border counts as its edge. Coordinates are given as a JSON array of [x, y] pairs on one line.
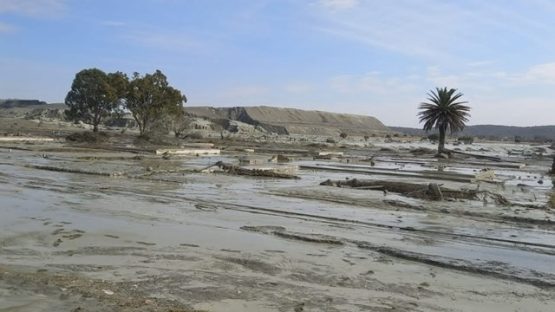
[[441, 145]]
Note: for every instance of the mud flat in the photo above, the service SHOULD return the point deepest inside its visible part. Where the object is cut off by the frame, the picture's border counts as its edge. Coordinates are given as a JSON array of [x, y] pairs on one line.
[[165, 236]]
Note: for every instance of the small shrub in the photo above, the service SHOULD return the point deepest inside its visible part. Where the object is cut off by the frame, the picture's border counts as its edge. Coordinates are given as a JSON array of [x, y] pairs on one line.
[[194, 136], [87, 137], [343, 135], [466, 139], [330, 140]]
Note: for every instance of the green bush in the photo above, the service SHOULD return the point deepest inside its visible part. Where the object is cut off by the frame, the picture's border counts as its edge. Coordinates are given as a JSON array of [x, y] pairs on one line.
[[433, 137], [466, 139]]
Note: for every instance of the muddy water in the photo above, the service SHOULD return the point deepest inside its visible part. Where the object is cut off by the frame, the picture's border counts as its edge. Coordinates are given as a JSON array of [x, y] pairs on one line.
[[186, 223]]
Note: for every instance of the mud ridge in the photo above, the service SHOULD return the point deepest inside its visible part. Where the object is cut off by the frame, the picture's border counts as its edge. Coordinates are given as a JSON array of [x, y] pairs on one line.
[[459, 265], [81, 171], [438, 261], [517, 220]]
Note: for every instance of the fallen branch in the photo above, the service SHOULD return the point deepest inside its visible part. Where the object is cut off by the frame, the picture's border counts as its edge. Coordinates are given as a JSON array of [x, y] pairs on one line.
[[431, 191], [237, 170]]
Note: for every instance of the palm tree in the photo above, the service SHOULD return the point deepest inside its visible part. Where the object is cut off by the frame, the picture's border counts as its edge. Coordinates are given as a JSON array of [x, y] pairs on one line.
[[444, 111]]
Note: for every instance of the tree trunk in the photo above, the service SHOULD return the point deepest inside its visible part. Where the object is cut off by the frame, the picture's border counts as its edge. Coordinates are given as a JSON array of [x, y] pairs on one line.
[[441, 145], [95, 127], [553, 166]]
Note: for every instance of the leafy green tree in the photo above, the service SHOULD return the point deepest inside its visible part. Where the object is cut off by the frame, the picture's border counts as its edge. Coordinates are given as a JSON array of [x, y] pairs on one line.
[[93, 97], [179, 124], [444, 111], [120, 83], [151, 98]]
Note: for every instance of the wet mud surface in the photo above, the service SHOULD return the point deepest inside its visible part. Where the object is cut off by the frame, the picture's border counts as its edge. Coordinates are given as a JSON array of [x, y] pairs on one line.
[[116, 231]]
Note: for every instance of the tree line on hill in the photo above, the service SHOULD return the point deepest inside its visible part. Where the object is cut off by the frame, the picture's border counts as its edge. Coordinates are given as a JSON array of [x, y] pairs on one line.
[[95, 96]]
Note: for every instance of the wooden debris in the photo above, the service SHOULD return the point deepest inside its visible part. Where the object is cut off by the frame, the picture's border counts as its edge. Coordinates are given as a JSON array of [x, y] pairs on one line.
[[435, 190], [492, 158], [256, 172], [188, 151], [279, 158], [431, 191]]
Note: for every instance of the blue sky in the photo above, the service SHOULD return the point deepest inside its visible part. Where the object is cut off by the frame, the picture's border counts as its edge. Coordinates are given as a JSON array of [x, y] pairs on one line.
[[368, 57]]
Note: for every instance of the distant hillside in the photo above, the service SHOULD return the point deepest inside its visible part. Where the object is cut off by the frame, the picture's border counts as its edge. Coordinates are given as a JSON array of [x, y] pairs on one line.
[[494, 131], [14, 103], [31, 109]]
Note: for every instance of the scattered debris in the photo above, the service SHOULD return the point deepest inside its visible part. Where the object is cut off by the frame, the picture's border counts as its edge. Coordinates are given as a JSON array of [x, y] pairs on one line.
[[107, 292], [188, 151], [492, 158], [431, 191], [257, 172], [279, 158], [434, 175], [326, 153], [485, 174]]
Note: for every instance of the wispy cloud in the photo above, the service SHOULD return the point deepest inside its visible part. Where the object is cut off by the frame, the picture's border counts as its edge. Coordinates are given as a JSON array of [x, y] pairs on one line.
[[113, 23], [298, 87], [372, 82], [37, 8], [245, 92], [168, 41], [6, 28], [438, 30], [338, 4], [542, 73]]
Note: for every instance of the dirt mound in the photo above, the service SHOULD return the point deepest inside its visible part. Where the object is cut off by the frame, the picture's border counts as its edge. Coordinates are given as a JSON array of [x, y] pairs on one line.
[[294, 121]]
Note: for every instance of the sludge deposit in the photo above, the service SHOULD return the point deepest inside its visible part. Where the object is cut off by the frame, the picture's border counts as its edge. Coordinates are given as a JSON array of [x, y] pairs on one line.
[[97, 228]]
